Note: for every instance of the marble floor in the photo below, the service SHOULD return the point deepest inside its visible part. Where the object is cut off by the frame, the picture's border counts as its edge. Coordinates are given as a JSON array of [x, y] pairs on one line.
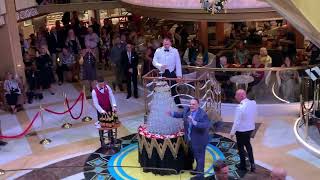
[[274, 144]]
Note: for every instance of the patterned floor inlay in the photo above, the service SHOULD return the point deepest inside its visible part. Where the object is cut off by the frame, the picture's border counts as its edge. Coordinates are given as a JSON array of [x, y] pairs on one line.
[[100, 165]]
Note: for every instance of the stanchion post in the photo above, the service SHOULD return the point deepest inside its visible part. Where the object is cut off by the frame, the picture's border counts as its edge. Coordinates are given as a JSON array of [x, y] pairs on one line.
[[44, 141], [66, 125], [2, 172], [86, 118]]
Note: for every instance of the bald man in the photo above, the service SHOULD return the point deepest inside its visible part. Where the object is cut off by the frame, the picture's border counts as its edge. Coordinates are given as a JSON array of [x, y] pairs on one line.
[[243, 126], [278, 174]]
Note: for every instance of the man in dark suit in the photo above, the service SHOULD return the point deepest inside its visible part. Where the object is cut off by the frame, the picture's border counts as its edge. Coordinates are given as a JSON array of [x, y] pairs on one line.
[[130, 61], [196, 127], [54, 44]]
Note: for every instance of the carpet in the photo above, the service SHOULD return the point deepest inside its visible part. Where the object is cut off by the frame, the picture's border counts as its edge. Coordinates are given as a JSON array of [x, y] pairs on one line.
[[100, 165], [226, 127]]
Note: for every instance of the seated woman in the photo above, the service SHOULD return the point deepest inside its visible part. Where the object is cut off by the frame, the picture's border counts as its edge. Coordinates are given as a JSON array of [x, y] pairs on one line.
[[12, 92], [265, 59], [289, 81], [66, 63], [241, 54], [199, 56]]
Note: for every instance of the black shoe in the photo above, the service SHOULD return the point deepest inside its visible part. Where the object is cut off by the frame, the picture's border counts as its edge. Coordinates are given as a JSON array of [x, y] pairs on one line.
[[129, 96], [253, 168], [136, 96], [3, 143], [114, 86], [195, 172], [60, 83], [121, 88], [241, 168]]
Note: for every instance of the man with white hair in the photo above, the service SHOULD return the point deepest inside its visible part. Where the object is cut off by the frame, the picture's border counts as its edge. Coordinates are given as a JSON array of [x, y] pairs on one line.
[[243, 126], [223, 62]]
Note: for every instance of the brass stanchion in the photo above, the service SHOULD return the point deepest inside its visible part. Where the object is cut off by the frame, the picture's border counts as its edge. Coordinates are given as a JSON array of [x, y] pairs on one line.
[[66, 125], [86, 118], [44, 141]]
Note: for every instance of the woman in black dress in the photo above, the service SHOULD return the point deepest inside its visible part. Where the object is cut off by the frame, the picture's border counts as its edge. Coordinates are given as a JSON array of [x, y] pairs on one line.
[[44, 66]]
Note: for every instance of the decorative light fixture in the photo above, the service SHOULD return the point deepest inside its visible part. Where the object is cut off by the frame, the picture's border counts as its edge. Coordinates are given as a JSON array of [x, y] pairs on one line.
[[213, 6]]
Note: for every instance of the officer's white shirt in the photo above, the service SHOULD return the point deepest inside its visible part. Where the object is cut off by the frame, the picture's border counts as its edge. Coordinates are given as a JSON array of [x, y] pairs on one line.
[[170, 58]]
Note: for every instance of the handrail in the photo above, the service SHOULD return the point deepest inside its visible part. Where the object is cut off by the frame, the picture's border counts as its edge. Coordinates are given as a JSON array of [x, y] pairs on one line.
[[4, 171], [248, 69], [302, 141]]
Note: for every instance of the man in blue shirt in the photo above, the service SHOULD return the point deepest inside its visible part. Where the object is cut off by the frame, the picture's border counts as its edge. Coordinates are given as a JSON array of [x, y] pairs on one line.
[[196, 129]]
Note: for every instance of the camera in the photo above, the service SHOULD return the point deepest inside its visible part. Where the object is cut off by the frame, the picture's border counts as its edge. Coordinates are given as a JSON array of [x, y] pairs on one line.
[[14, 90]]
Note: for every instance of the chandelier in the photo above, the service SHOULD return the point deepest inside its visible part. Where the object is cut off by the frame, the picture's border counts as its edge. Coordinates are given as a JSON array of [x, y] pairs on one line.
[[213, 6]]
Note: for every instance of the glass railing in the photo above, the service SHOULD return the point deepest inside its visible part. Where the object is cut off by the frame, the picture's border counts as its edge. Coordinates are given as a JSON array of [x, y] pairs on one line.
[[264, 85]]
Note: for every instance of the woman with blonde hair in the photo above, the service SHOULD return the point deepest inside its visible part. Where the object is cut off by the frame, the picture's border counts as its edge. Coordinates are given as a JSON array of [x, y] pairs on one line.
[[265, 58], [12, 91]]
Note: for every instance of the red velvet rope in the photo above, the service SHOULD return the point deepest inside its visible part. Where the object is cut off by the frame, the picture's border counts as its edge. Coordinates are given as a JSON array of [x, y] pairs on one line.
[[25, 131], [81, 96], [67, 102], [69, 109]]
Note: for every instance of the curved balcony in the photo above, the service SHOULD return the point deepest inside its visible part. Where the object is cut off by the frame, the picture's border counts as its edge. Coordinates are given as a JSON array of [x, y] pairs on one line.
[[235, 10]]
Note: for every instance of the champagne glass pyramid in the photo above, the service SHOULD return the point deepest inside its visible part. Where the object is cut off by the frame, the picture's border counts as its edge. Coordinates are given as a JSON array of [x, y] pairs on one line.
[[159, 122]]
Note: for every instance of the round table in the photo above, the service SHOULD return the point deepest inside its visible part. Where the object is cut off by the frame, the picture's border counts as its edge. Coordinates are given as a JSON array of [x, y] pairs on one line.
[[242, 79]]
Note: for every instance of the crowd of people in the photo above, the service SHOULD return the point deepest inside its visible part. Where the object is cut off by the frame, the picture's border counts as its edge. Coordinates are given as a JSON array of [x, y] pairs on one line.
[[74, 52]]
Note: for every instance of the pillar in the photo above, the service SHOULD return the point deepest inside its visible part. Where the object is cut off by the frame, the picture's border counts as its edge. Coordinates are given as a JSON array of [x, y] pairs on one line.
[[220, 32], [299, 40], [298, 35], [203, 33], [11, 55]]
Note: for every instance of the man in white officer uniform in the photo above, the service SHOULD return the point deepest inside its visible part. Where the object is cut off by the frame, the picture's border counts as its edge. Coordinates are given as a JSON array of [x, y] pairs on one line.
[[167, 60]]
